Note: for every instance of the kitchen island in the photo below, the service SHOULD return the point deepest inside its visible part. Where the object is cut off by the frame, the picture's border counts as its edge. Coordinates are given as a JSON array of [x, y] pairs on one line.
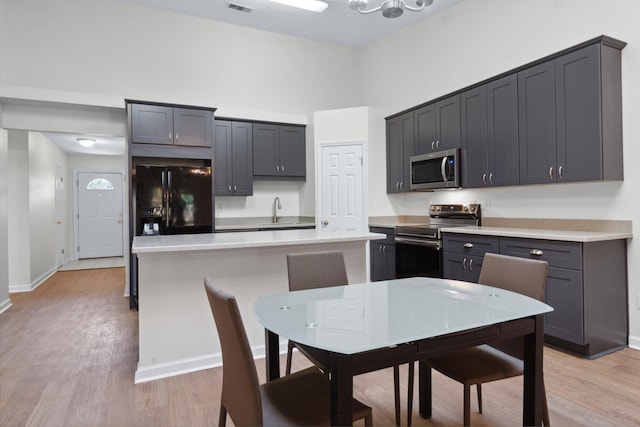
[[177, 332]]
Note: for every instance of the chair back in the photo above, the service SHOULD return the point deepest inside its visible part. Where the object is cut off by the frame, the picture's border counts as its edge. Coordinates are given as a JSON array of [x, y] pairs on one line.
[[240, 386], [522, 275], [316, 270]]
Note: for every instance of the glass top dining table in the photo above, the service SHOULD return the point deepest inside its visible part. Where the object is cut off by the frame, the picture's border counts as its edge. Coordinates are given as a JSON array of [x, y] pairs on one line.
[[401, 320]]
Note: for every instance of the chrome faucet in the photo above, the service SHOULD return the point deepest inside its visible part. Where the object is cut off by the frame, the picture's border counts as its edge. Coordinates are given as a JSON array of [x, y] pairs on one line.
[[276, 202]]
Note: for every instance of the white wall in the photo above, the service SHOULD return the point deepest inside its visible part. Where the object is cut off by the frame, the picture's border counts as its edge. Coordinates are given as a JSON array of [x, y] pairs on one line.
[[5, 301], [44, 155], [18, 211], [476, 40], [261, 203]]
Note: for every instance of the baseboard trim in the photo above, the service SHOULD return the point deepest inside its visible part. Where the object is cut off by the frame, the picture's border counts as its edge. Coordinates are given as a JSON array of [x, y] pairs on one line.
[[4, 305], [184, 366], [30, 287], [634, 342]]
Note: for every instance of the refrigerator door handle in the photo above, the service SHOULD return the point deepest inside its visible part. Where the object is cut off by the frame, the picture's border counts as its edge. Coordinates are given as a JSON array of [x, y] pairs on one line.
[[169, 197]]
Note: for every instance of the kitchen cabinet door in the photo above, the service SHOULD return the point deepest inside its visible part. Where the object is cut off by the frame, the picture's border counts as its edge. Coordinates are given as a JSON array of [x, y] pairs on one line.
[[578, 126], [383, 261], [473, 113], [400, 135], [233, 158], [564, 292], [537, 124], [151, 124], [437, 126], [502, 128], [461, 267], [292, 151], [266, 149], [192, 127]]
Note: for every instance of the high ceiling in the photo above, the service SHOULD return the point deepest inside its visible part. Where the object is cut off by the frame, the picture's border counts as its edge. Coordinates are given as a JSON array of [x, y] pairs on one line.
[[338, 24]]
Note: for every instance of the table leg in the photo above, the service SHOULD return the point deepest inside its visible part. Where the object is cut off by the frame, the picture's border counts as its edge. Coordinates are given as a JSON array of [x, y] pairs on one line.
[[533, 381], [272, 355], [341, 390], [424, 389]]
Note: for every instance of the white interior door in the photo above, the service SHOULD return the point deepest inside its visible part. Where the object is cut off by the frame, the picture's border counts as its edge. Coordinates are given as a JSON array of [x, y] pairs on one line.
[[59, 216], [99, 215], [341, 187]]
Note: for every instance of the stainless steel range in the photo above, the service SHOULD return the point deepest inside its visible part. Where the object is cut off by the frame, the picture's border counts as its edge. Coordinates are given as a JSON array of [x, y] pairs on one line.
[[418, 246]]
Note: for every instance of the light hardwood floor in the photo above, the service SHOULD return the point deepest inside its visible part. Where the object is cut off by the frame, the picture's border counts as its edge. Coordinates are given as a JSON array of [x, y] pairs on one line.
[[68, 352]]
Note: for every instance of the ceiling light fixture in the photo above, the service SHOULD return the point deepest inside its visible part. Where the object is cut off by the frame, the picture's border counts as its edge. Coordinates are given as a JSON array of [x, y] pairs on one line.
[[86, 142], [389, 8], [311, 5]]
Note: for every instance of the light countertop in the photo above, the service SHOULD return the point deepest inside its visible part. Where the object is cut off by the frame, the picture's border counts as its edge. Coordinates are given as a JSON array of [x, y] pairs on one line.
[[532, 233], [250, 239]]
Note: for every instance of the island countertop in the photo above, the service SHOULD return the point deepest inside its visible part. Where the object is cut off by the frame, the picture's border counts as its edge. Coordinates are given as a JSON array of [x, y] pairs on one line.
[[216, 241]]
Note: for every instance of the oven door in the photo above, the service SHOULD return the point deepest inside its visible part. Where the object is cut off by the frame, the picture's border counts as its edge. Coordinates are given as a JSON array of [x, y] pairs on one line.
[[418, 258]]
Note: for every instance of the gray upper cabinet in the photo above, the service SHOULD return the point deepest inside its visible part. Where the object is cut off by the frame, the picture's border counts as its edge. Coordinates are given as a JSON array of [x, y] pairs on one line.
[[437, 126], [233, 158], [279, 151], [489, 122], [570, 118], [400, 144], [165, 125], [537, 124]]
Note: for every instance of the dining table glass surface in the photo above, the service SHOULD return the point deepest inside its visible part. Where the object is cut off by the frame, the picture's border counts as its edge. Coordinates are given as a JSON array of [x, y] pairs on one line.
[[361, 317]]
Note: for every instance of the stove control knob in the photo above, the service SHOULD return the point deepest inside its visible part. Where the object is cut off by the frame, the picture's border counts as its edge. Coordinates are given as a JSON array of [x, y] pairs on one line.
[[466, 208]]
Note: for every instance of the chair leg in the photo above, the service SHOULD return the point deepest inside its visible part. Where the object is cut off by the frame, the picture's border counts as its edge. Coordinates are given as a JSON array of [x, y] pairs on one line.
[[410, 393], [289, 355], [479, 389], [222, 420], [396, 391], [368, 420], [467, 410]]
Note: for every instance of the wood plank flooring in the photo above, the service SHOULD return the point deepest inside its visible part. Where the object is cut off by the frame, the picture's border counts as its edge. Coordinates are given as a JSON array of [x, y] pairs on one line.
[[68, 352]]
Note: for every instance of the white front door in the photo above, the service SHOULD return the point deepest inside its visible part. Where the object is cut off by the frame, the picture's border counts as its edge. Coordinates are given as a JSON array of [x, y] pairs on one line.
[[341, 190], [99, 215], [59, 189]]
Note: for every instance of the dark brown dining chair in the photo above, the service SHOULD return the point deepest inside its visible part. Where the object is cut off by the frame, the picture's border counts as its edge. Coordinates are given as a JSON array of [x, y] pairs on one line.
[[300, 399], [313, 270], [486, 363]]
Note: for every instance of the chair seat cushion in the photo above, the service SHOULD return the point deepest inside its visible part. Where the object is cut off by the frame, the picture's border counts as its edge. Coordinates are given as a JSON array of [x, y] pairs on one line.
[[301, 398], [477, 365]]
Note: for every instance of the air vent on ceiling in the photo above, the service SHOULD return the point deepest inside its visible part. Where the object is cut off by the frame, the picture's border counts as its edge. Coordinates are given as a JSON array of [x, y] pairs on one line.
[[239, 7]]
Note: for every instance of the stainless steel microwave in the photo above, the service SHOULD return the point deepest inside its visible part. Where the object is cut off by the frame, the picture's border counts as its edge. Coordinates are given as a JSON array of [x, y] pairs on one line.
[[435, 170]]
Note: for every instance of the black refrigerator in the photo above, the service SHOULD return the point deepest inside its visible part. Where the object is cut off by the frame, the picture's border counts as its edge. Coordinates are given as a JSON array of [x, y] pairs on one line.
[[173, 200]]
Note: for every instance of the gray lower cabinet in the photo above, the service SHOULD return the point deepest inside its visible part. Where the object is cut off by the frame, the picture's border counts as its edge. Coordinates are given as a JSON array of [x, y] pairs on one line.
[[489, 122], [279, 151], [463, 254], [400, 142], [166, 125], [383, 255], [233, 158], [437, 126], [586, 286], [570, 118]]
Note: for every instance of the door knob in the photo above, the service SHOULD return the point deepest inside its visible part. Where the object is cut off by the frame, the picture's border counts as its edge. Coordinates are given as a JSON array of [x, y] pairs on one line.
[[59, 222], [325, 222]]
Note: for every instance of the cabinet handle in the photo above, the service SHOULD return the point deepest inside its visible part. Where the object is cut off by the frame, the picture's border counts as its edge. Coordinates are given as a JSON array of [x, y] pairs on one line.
[[281, 168], [277, 168], [551, 173], [401, 184], [560, 172], [380, 249], [433, 146], [484, 179], [536, 252], [468, 245], [397, 186], [491, 178], [235, 188], [464, 264], [177, 136], [384, 249], [470, 265], [170, 138], [438, 144], [229, 189]]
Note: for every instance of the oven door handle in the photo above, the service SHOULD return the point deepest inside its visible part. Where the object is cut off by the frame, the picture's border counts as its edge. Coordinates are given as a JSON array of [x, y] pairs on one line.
[[419, 242]]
